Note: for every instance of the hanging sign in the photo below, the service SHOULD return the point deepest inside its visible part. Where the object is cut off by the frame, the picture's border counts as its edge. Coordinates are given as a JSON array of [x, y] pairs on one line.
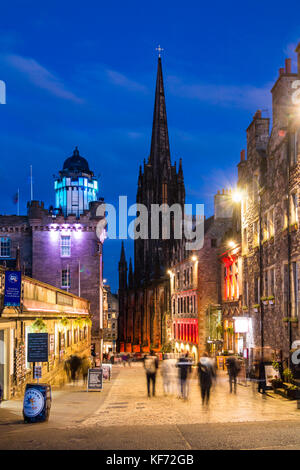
[[12, 291], [37, 372]]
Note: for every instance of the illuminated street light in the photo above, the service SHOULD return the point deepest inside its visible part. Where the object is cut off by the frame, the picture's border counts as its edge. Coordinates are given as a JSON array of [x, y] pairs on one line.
[[237, 196], [231, 243], [194, 258], [169, 272]]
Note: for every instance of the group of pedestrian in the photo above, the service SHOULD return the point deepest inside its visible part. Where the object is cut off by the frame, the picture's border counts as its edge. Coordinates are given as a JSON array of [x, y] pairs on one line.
[[176, 374]]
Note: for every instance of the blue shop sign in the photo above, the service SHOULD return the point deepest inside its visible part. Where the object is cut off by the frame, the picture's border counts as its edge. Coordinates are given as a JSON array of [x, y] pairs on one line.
[[12, 292]]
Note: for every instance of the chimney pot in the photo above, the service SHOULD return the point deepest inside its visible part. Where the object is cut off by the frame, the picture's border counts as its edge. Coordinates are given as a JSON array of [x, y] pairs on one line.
[[281, 71]]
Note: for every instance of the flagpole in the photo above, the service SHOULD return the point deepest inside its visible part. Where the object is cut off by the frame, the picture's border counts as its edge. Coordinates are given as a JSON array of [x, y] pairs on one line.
[[79, 279], [31, 187]]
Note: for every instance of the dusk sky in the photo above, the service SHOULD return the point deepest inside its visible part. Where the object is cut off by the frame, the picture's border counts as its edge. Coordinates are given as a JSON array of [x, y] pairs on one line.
[[83, 74]]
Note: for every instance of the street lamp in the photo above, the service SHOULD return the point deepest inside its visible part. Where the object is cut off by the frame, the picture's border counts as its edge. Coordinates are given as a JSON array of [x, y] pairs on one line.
[[237, 195]]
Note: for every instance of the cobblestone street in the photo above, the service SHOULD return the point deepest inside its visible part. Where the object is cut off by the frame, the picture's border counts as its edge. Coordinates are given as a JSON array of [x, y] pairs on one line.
[[123, 417], [127, 403]]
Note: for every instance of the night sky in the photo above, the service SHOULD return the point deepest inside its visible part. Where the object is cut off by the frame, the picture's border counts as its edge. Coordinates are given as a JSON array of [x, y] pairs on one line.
[[83, 73]]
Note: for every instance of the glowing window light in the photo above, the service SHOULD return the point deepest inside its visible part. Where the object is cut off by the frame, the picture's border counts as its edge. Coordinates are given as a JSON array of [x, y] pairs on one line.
[[241, 324]]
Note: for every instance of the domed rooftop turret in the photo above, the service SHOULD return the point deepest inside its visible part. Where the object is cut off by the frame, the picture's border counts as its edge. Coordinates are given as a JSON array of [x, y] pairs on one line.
[[76, 163]]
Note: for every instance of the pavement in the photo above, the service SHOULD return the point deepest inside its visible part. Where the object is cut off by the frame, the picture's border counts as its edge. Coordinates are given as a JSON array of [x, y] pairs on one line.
[[123, 417]]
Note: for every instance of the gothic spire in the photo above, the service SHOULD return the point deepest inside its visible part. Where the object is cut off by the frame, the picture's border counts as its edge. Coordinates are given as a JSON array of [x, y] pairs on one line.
[[130, 275], [160, 149], [122, 257], [180, 171]]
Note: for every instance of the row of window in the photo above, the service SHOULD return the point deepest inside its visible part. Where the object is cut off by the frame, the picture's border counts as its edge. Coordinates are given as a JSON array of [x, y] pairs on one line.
[[185, 332], [269, 285], [186, 304], [187, 278], [65, 246], [268, 222]]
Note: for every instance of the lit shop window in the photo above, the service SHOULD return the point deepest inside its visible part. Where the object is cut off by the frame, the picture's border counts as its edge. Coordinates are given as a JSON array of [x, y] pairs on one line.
[[294, 208], [65, 278], [5, 247], [65, 245], [271, 223]]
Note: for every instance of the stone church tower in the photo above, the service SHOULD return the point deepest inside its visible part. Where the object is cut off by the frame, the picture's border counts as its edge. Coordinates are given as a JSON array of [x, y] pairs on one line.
[[144, 298], [159, 183]]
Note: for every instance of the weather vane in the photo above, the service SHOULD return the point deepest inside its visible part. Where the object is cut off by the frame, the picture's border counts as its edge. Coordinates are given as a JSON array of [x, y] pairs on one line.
[[159, 49]]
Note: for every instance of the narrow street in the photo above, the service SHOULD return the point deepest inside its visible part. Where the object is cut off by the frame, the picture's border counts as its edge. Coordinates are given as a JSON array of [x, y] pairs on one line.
[[123, 417]]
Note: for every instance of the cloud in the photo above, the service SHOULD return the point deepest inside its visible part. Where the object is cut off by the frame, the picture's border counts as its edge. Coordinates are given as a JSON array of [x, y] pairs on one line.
[[121, 80], [244, 96], [41, 77]]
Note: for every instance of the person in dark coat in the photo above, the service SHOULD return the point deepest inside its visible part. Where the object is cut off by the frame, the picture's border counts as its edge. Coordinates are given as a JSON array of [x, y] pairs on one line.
[[233, 369], [261, 377], [185, 368], [206, 373], [1, 394], [151, 366]]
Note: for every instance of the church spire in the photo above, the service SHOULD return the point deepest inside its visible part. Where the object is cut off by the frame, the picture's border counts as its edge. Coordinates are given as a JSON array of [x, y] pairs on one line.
[[122, 270], [160, 149]]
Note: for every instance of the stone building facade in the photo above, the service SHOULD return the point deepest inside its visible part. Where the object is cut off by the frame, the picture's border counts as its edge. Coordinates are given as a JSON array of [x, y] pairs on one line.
[[110, 320], [144, 293], [59, 247], [195, 285], [269, 182], [66, 319]]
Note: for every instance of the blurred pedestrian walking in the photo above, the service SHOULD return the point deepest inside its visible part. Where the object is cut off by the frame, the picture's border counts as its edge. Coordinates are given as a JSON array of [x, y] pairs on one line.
[[124, 359], [261, 377], [167, 372], [151, 366], [206, 373], [185, 368], [129, 360], [85, 366], [74, 364], [1, 394], [233, 368]]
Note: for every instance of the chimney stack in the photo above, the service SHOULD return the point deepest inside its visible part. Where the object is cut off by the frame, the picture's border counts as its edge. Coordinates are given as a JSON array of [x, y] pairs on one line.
[[243, 155], [298, 52], [288, 65], [281, 71]]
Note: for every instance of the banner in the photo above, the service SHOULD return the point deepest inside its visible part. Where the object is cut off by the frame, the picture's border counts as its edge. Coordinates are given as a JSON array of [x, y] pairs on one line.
[[12, 292]]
